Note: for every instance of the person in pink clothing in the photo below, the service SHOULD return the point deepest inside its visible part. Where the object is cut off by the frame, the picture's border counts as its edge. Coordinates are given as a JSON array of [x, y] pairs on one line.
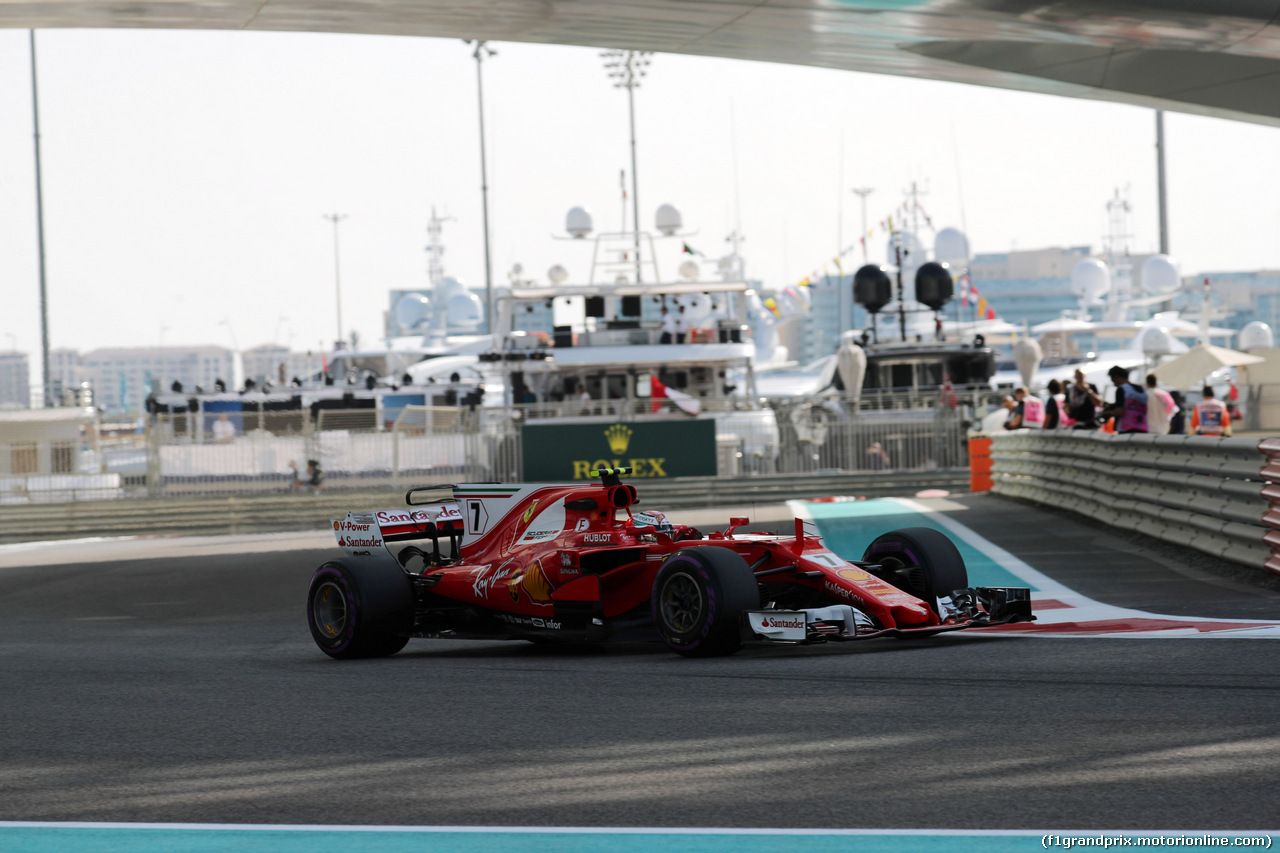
[[1160, 407]]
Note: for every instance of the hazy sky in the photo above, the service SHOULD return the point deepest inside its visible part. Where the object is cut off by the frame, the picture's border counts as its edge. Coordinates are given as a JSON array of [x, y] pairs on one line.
[[186, 173]]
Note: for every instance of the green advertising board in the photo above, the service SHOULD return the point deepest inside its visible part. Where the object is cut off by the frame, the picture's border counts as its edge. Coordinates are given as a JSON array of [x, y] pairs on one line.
[[560, 453]]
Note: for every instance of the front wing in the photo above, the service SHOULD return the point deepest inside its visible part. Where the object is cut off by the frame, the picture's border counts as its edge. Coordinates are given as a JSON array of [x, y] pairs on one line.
[[975, 607]]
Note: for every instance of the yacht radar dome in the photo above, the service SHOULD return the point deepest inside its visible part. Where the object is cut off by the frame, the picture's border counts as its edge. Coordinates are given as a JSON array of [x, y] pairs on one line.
[[412, 310], [689, 271], [951, 246], [934, 285], [557, 274], [1256, 335], [1090, 280], [668, 220], [872, 288], [1156, 341], [465, 310], [578, 222], [1160, 275]]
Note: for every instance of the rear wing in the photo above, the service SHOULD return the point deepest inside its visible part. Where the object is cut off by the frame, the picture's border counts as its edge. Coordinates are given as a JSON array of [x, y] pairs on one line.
[[360, 533]]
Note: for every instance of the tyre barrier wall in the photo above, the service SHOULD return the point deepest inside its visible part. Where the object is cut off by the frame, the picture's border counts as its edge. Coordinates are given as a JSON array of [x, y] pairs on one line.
[[1210, 494], [1270, 448], [291, 512]]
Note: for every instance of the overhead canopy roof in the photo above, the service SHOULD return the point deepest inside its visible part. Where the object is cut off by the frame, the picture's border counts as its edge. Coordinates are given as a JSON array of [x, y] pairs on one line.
[[670, 289], [1215, 57]]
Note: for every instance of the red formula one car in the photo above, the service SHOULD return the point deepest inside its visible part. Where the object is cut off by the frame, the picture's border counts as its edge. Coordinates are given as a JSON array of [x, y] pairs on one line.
[[576, 563]]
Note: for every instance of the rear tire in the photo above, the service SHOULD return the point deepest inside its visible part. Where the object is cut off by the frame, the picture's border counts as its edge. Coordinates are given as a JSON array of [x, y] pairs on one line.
[[698, 599], [360, 609], [920, 561]]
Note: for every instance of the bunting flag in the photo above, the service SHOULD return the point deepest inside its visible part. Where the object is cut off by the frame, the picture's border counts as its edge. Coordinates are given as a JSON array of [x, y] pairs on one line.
[[839, 266], [985, 311], [772, 306], [689, 250], [658, 392]]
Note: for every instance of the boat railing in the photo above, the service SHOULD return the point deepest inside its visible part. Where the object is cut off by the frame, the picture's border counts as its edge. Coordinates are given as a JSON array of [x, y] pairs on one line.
[[611, 409]]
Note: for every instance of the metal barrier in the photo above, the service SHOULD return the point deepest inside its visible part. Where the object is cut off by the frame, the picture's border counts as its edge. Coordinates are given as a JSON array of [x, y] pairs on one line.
[[1205, 493], [265, 513]]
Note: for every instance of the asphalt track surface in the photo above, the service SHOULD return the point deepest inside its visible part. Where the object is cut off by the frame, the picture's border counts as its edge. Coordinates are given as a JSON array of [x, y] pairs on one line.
[[175, 681]]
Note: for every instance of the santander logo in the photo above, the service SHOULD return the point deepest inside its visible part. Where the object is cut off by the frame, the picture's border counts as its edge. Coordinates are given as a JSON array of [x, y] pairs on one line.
[[781, 623]]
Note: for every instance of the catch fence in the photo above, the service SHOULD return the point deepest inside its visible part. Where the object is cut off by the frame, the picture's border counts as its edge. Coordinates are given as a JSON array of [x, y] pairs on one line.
[[260, 453]]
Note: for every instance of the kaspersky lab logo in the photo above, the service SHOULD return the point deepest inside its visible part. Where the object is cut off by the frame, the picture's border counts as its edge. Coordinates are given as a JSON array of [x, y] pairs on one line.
[[619, 437]]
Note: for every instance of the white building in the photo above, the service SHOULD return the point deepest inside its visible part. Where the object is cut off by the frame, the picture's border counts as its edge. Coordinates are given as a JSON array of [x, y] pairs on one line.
[[277, 365], [15, 380], [66, 371], [122, 378]]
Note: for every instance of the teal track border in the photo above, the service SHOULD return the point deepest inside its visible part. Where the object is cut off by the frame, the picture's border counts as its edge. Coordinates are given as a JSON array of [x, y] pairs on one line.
[[41, 837]]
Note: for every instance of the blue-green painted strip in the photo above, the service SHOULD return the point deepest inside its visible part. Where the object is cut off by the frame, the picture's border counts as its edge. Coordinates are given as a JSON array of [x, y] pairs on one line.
[[848, 527], [109, 838]]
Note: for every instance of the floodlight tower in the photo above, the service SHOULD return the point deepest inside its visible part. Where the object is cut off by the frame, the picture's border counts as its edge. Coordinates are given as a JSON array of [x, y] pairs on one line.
[[862, 193], [627, 68], [481, 53], [46, 395], [335, 218]]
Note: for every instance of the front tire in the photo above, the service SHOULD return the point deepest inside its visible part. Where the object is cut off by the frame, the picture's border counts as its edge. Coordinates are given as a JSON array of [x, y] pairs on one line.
[[920, 561], [360, 609], [698, 599]]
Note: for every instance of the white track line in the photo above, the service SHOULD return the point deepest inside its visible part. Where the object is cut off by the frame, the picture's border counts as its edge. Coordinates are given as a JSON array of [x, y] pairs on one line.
[[1081, 608]]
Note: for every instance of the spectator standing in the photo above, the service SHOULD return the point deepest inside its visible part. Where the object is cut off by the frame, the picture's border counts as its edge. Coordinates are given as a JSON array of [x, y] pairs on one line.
[[681, 327], [585, 398], [1178, 423], [1054, 413], [1083, 401], [223, 430], [877, 457], [1031, 406], [315, 477], [1014, 418], [1160, 407], [1210, 416], [667, 326], [1130, 405]]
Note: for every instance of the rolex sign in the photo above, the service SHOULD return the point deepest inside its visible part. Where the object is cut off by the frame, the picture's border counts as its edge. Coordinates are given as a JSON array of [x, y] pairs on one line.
[[563, 453]]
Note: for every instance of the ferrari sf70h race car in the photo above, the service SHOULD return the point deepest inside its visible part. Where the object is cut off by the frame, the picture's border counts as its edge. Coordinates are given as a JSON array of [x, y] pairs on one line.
[[577, 563]]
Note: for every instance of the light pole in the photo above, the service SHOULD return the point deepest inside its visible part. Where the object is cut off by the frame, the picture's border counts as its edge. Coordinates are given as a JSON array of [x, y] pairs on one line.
[[235, 348], [44, 298], [481, 53], [626, 68], [335, 218], [164, 359], [862, 193], [1162, 198]]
